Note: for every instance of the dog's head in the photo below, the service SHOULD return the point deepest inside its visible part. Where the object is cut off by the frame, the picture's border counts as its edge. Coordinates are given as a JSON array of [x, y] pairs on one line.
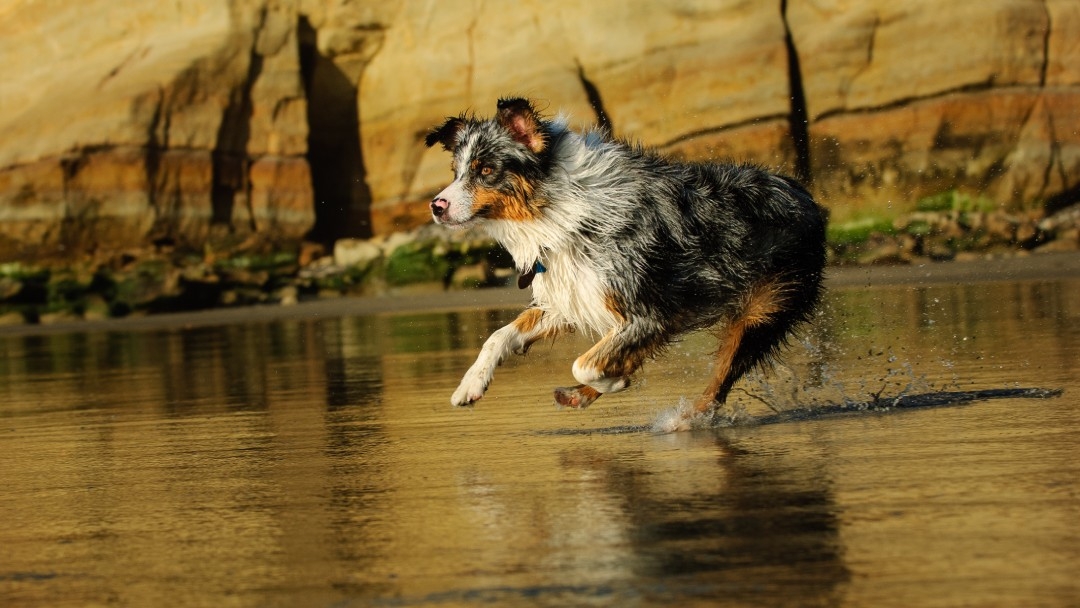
[[497, 163]]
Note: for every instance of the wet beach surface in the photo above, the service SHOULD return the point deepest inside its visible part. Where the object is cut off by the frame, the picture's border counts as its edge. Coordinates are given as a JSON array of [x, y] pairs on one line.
[[309, 456]]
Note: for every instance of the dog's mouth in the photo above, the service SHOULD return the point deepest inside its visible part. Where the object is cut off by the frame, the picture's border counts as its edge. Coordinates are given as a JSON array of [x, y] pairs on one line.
[[452, 220], [449, 222]]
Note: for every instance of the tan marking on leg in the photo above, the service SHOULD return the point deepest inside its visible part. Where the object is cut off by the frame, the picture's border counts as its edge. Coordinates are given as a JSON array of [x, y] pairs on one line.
[[612, 360], [528, 325], [729, 345], [527, 321], [764, 300]]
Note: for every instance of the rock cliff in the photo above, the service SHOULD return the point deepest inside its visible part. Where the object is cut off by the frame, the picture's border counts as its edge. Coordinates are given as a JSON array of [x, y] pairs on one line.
[[224, 121], [907, 99]]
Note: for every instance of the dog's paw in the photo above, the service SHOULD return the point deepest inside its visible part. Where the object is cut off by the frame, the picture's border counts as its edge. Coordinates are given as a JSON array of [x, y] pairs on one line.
[[578, 397], [469, 391]]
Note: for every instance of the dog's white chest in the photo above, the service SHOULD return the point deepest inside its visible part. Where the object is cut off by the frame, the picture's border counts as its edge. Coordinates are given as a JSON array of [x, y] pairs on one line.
[[575, 292]]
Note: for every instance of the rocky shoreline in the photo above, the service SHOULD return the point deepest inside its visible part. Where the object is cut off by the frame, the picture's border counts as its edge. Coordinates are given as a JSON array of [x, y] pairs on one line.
[[432, 259]]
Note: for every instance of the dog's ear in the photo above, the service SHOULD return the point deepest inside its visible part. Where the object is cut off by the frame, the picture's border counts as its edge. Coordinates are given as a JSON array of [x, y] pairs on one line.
[[519, 118], [446, 134]]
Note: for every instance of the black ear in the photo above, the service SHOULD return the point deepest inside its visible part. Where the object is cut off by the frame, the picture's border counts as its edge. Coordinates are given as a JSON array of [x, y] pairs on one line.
[[518, 117], [446, 134]]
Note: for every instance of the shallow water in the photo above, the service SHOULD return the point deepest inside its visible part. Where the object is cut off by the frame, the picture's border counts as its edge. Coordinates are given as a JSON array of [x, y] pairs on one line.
[[318, 462]]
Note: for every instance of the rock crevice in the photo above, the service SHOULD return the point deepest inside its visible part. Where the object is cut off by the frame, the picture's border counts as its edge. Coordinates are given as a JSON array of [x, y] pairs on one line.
[[596, 102], [798, 119]]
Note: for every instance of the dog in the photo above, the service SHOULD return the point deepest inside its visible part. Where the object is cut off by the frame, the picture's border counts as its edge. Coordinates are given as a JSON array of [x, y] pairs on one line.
[[634, 248]]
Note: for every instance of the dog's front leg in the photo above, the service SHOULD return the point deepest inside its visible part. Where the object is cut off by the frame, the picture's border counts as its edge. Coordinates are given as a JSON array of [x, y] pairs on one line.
[[607, 366], [530, 326]]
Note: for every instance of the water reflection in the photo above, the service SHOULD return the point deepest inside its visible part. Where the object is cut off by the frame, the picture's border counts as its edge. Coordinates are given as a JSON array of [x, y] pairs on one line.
[[748, 527], [317, 461]]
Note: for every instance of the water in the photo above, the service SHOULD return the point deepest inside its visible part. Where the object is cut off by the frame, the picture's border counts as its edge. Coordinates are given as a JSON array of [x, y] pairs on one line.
[[317, 462]]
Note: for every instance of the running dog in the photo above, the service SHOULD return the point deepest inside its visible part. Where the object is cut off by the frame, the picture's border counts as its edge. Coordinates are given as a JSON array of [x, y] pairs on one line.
[[631, 247]]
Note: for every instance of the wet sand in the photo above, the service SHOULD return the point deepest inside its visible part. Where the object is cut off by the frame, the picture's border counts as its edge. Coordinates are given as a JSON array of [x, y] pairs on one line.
[[1025, 268]]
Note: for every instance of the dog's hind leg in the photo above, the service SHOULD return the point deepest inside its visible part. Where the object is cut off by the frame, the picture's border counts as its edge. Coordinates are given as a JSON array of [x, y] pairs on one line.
[[746, 341], [531, 325], [736, 358]]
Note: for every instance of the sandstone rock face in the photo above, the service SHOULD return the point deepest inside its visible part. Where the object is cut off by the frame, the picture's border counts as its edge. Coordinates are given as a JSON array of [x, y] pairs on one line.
[[201, 121], [126, 122], [907, 99], [868, 55]]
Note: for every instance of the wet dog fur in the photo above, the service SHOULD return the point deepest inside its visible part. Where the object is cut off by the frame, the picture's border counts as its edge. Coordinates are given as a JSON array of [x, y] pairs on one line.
[[634, 248]]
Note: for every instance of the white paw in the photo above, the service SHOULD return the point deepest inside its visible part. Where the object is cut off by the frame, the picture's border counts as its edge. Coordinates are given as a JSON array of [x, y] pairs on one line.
[[471, 389]]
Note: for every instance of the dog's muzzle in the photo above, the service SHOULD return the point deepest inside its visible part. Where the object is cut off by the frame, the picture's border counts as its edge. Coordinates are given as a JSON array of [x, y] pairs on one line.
[[439, 206]]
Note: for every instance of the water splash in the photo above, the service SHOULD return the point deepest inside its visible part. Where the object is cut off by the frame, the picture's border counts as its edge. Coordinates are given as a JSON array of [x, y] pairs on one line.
[[683, 417], [816, 377]]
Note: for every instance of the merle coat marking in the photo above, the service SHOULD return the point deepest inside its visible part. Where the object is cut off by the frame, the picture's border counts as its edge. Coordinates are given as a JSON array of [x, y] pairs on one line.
[[632, 247]]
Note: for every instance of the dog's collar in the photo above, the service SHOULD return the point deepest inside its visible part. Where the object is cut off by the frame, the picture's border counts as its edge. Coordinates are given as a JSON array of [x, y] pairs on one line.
[[527, 277]]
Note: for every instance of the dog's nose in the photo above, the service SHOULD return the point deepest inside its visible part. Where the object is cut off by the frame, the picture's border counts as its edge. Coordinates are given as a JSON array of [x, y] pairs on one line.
[[439, 206]]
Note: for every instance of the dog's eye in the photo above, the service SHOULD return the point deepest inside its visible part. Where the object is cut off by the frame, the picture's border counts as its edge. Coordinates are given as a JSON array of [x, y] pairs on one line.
[[485, 171]]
